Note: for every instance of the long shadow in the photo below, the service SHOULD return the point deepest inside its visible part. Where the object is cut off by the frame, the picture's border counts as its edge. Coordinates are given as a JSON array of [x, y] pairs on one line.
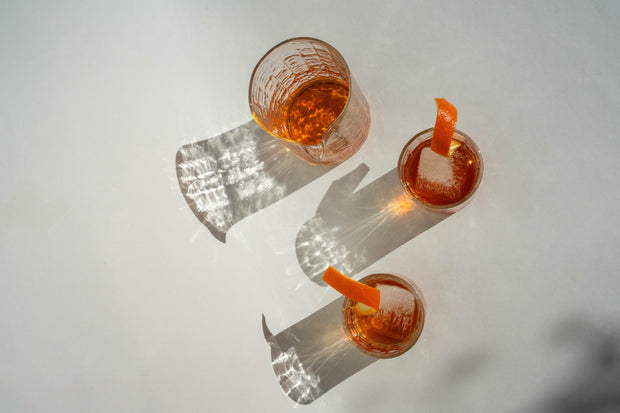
[[314, 355], [231, 176], [353, 229]]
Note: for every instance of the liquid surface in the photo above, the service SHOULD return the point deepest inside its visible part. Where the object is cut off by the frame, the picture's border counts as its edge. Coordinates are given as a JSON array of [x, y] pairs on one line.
[[313, 109], [440, 180], [391, 329]]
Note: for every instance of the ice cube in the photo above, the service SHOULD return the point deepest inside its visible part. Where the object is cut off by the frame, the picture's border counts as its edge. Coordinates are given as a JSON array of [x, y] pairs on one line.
[[395, 316], [441, 176]]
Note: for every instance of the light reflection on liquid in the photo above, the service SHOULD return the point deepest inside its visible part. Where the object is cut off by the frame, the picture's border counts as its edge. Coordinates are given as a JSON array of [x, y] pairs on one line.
[[352, 228]]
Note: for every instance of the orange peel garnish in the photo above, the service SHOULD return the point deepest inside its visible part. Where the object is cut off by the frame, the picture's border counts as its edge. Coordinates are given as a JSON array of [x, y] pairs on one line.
[[354, 290], [445, 124], [363, 309]]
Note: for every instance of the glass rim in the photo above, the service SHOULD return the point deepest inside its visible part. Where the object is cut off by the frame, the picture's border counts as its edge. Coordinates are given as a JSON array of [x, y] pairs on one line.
[[423, 136], [349, 81], [420, 301]]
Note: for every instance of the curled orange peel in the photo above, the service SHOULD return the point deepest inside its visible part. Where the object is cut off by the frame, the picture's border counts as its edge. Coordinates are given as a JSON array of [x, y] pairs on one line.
[[445, 124], [352, 289]]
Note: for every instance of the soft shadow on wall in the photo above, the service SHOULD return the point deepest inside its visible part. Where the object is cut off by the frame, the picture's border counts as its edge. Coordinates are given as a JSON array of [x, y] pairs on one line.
[[595, 385]]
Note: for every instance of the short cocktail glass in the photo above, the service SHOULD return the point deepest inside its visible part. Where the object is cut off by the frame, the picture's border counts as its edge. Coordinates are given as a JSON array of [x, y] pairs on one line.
[[302, 92], [397, 325], [440, 183]]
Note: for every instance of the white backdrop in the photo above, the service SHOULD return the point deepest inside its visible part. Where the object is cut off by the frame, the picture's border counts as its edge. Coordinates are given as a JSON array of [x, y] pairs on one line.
[[115, 298]]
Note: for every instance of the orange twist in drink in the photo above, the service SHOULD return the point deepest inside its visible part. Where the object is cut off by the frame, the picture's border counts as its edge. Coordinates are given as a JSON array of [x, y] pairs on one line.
[[441, 167], [445, 124], [383, 315]]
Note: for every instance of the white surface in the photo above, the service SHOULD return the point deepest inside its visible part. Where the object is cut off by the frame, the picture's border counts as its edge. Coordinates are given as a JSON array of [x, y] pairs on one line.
[[113, 297]]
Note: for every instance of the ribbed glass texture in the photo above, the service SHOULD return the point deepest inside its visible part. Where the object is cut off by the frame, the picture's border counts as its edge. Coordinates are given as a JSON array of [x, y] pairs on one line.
[[291, 66]]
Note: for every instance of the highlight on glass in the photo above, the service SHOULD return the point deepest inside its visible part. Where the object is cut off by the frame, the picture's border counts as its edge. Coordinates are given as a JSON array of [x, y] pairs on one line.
[[383, 314], [303, 93], [441, 167]]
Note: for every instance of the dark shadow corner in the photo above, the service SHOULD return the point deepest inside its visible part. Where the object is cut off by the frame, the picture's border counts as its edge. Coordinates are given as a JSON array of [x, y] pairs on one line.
[[595, 385]]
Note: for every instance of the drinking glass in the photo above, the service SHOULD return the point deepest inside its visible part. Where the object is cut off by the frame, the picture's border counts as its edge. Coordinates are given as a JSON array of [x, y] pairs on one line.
[[440, 183], [303, 93], [395, 327]]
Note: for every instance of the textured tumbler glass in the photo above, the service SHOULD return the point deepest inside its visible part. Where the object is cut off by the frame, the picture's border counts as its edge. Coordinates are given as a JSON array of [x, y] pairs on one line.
[[302, 92]]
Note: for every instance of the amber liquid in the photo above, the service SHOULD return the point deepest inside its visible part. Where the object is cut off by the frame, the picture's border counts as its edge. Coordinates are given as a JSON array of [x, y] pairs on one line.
[[466, 174], [313, 108], [372, 332]]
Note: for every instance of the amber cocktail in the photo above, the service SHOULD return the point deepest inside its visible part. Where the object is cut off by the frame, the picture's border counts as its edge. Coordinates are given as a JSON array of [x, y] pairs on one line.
[[395, 327], [441, 182], [303, 93]]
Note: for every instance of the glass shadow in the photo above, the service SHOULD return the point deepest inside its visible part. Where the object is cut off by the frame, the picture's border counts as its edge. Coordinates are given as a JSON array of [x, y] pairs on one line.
[[231, 176], [353, 229], [314, 355]]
